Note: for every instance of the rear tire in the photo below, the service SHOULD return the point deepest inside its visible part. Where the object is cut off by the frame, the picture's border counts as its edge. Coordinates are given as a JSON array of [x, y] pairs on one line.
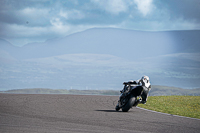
[[129, 104]]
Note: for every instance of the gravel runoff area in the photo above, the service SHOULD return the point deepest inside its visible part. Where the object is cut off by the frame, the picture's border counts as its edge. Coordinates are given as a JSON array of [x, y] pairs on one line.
[[49, 113]]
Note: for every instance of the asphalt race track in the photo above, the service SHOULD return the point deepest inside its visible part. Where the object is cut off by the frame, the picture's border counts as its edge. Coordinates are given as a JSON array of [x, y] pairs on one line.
[[83, 114]]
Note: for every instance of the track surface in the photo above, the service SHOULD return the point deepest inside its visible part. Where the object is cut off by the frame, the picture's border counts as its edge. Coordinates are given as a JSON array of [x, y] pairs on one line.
[[82, 113]]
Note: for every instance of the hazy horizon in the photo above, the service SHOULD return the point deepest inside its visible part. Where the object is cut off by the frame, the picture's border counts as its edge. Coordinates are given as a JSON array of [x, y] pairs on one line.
[[99, 43], [56, 38], [103, 59]]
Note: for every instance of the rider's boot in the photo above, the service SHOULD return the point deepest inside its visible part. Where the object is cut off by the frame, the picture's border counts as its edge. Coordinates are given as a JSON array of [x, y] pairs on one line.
[[143, 102]]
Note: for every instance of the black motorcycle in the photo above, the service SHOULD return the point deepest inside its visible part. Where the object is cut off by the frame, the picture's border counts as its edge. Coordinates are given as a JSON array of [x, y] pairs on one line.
[[129, 95]]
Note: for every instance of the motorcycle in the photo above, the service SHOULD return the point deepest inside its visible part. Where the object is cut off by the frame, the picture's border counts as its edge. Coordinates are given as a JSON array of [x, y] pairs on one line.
[[129, 95]]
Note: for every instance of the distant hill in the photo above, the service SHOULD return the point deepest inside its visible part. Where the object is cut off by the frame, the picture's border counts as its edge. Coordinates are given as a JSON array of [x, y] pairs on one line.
[[167, 91], [155, 91], [100, 59], [128, 44]]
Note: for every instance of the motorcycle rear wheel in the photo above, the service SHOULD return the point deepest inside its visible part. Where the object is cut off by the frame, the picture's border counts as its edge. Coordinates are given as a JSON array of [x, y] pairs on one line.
[[129, 104]]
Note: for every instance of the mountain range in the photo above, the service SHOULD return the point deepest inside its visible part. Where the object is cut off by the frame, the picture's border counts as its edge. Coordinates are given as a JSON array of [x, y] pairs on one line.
[[103, 58]]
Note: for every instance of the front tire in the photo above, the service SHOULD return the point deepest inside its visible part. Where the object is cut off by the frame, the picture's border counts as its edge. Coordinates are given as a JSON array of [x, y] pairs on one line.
[[117, 108], [129, 104]]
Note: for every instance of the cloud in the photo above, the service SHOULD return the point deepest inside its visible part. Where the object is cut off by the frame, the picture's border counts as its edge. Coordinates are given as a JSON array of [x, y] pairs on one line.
[[35, 16], [20, 35], [144, 6], [72, 14], [160, 25], [55, 22], [112, 6], [49, 18], [188, 9], [119, 6]]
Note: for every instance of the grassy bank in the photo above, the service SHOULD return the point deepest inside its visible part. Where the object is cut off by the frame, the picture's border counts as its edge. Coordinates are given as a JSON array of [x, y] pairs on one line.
[[188, 106]]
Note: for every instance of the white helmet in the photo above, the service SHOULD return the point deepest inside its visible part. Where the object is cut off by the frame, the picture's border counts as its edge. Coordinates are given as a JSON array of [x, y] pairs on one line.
[[145, 79]]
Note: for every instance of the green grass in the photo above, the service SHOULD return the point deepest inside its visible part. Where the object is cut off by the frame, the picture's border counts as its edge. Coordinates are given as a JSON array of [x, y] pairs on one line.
[[188, 106]]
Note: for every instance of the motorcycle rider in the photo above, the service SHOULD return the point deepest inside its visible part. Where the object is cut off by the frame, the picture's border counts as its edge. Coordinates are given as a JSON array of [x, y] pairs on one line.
[[144, 82]]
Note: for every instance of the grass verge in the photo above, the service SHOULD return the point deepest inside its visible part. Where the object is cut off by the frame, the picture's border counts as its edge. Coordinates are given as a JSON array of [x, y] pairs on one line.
[[188, 106]]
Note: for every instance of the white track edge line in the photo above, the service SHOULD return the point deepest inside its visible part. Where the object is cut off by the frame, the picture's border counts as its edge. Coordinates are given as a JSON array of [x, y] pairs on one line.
[[167, 114]]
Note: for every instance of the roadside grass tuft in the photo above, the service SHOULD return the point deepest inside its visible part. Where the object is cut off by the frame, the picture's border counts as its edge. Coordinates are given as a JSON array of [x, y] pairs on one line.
[[188, 106]]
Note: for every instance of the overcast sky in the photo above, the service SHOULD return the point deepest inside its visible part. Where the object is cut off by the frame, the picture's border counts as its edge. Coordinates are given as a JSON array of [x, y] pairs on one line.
[[25, 21]]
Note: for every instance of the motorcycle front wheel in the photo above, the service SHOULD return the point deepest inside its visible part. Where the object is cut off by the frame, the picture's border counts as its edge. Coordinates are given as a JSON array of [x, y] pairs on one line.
[[117, 108], [129, 104]]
